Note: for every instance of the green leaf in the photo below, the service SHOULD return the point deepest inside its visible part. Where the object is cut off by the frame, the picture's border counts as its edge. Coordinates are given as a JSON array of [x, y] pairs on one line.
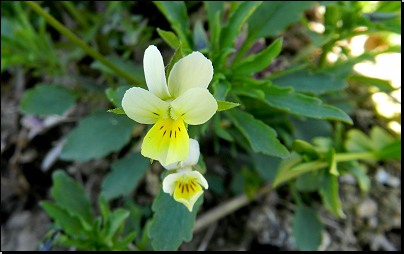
[[71, 196], [214, 10], [115, 95], [115, 220], [307, 228], [262, 138], [300, 104], [46, 100], [169, 37], [329, 194], [382, 84], [176, 13], [391, 151], [96, 136], [199, 36], [175, 58], [380, 137], [126, 173], [308, 182], [130, 67], [70, 224], [221, 88], [265, 165], [172, 222], [118, 111], [359, 171], [231, 30], [104, 206], [357, 141], [271, 17], [303, 81], [225, 105], [305, 148], [222, 133], [260, 61]]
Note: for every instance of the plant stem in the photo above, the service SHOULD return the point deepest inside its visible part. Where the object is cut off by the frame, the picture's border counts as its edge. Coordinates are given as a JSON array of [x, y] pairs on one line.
[[63, 30], [339, 157]]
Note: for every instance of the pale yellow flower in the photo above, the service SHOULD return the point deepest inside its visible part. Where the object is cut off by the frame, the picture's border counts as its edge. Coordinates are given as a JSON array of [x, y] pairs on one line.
[[185, 99], [185, 184]]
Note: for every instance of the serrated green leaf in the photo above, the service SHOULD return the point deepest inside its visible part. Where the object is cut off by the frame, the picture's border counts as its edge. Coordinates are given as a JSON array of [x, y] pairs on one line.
[[176, 13], [175, 58], [236, 20], [71, 196], [172, 222], [260, 61], [44, 99], [169, 37], [329, 194], [262, 138], [118, 111], [96, 136], [125, 174], [307, 228], [225, 105], [303, 81], [300, 104], [70, 224]]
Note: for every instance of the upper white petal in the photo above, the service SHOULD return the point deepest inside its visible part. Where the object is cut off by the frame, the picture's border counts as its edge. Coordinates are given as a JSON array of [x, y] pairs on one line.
[[153, 65], [192, 158], [192, 71], [143, 106], [195, 106]]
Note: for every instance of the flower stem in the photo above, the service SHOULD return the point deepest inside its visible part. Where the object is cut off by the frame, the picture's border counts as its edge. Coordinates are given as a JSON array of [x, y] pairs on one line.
[[63, 30]]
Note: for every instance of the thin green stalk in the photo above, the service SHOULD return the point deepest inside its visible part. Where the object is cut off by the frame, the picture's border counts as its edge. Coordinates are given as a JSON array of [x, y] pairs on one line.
[[63, 30], [339, 157], [75, 13]]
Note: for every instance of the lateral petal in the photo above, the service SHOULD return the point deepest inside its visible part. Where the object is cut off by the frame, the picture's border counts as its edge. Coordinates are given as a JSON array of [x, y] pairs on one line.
[[143, 106], [195, 106], [167, 141], [192, 71], [153, 66]]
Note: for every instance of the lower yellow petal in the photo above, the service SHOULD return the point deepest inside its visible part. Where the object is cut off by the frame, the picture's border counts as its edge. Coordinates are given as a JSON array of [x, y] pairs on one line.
[[167, 141], [187, 192]]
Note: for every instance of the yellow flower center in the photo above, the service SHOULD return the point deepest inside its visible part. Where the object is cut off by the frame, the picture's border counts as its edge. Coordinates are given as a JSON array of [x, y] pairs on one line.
[[187, 189]]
